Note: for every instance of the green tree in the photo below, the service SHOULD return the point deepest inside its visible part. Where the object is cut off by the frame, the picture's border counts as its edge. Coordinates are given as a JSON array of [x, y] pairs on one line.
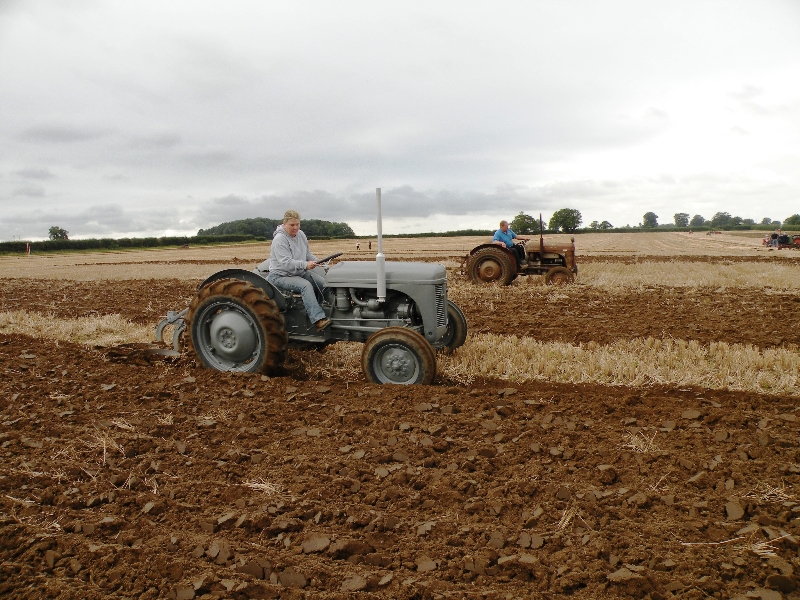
[[681, 219], [748, 222], [721, 219], [601, 225], [525, 224], [58, 233], [766, 221], [650, 220], [793, 221], [566, 219], [263, 227], [697, 221]]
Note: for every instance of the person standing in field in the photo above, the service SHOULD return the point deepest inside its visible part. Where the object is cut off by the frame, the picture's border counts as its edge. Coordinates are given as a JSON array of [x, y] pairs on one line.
[[774, 238], [290, 265], [358, 245]]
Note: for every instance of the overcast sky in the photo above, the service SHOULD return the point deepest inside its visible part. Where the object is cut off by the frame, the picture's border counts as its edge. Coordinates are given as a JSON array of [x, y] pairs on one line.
[[161, 118]]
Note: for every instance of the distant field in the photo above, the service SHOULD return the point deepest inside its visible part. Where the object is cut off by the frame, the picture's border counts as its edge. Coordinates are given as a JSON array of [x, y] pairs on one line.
[[198, 262], [631, 288]]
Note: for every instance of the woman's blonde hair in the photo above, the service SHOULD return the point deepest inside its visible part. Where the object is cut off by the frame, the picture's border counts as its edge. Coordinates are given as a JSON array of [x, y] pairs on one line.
[[291, 215]]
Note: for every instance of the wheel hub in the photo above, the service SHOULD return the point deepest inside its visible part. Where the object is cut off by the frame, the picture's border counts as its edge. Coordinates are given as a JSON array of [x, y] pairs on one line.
[[227, 338], [489, 270], [231, 336], [397, 365]]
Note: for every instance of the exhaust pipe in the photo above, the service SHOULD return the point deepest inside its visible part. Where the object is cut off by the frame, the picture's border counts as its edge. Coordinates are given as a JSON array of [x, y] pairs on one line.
[[380, 259], [541, 239]]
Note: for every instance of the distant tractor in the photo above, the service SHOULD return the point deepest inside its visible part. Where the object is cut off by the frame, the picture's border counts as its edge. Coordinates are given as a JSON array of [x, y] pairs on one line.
[[784, 242], [789, 242], [488, 263]]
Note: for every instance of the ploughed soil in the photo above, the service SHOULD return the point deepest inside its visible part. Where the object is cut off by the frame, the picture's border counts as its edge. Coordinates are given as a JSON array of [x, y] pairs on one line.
[[570, 314], [127, 475]]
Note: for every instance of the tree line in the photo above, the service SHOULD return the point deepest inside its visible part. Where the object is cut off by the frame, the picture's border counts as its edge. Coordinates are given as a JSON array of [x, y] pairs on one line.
[[720, 220], [569, 220], [64, 243], [263, 227]]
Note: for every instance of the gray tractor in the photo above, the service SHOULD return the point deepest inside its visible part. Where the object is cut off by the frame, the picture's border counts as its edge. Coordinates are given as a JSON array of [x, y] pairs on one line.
[[239, 321]]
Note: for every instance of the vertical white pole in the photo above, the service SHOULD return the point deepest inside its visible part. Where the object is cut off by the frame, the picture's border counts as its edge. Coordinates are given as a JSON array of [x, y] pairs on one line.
[[380, 259]]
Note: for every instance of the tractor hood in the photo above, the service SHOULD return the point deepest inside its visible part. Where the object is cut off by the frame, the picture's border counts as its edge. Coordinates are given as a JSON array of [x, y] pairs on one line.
[[365, 274]]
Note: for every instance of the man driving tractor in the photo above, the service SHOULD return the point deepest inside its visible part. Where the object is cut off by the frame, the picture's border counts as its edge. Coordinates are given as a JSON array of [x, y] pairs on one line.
[[505, 236]]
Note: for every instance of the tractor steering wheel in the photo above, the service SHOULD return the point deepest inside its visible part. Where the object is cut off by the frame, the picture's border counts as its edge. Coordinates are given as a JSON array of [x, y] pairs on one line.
[[324, 261], [328, 258]]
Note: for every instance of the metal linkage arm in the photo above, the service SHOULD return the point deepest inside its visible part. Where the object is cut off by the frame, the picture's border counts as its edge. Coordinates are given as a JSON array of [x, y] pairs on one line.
[[172, 318]]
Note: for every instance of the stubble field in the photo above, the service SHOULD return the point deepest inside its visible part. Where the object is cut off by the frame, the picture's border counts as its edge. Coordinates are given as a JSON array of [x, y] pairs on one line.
[[632, 435]]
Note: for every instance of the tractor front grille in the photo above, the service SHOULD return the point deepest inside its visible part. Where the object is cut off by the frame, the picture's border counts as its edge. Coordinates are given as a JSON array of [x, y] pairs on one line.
[[441, 305]]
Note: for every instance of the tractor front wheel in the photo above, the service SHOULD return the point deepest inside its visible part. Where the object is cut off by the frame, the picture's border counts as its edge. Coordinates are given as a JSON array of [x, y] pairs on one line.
[[398, 355], [491, 264], [235, 326], [559, 276]]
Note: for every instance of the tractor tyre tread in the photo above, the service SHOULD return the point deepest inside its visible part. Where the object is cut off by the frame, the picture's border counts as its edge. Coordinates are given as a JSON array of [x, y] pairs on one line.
[[508, 267], [265, 309], [559, 276], [412, 340], [456, 327]]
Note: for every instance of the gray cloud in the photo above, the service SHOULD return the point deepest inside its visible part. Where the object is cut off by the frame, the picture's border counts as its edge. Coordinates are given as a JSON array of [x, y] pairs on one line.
[[748, 92], [60, 134], [605, 199], [177, 116], [103, 220], [31, 191], [158, 140], [408, 209], [769, 111], [206, 157], [35, 173], [398, 203]]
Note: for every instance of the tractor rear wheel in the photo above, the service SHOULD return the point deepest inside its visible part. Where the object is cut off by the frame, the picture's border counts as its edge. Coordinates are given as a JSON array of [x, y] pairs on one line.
[[456, 333], [559, 276], [235, 326], [398, 355], [491, 264]]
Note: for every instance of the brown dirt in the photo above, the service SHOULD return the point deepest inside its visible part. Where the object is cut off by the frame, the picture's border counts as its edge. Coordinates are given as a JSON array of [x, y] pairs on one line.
[[581, 314], [702, 314], [792, 259], [123, 478]]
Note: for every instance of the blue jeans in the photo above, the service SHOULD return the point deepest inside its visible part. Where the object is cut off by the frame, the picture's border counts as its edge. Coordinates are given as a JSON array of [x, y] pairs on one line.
[[307, 284]]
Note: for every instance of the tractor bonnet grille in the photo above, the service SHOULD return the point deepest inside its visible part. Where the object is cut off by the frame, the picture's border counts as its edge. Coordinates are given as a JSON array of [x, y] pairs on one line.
[[441, 303]]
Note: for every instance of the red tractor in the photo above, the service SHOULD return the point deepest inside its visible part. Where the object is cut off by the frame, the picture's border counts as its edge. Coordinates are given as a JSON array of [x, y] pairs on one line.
[[784, 241], [789, 241], [491, 262]]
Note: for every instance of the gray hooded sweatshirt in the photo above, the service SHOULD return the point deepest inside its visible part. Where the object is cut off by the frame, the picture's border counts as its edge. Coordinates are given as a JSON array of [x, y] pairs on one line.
[[288, 255]]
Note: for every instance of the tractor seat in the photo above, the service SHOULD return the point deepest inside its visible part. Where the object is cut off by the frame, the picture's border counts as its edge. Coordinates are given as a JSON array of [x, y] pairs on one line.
[[287, 294]]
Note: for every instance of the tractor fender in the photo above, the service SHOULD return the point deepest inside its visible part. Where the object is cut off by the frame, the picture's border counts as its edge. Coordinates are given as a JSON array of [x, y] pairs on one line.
[[511, 255], [251, 277]]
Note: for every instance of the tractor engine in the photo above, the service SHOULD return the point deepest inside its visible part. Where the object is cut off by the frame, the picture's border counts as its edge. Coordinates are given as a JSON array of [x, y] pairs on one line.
[[416, 298]]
